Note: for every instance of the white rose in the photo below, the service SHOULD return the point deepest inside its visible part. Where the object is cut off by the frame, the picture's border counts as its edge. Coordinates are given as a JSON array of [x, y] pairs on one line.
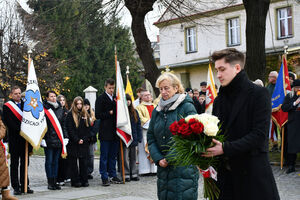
[[211, 129]]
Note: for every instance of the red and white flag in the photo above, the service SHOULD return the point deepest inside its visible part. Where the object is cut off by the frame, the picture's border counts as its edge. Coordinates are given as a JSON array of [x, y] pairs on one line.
[[211, 92], [123, 118]]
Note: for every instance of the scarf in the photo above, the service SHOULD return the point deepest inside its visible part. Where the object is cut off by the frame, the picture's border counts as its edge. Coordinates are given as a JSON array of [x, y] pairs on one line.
[[166, 104], [55, 105]]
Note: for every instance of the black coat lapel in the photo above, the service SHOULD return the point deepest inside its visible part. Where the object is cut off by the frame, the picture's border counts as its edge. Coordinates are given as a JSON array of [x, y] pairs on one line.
[[242, 99]]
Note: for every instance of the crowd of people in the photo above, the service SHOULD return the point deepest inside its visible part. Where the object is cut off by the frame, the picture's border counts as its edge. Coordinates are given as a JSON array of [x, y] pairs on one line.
[[243, 107]]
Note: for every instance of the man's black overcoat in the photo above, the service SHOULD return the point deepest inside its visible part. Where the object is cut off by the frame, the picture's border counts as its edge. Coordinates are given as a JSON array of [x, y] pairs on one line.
[[15, 141], [293, 123], [244, 110], [107, 130]]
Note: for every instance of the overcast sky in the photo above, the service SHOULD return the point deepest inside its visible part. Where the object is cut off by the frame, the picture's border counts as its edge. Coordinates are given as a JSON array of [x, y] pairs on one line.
[[151, 17]]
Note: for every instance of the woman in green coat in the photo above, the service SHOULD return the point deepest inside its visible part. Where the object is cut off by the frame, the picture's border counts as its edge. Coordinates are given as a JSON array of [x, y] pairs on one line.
[[176, 183]]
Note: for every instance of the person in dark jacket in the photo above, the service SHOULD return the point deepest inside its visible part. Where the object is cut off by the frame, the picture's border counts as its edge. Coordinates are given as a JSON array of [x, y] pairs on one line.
[[93, 140], [291, 104], [53, 146], [63, 174], [129, 153], [78, 126], [176, 183], [109, 141], [16, 142], [244, 111]]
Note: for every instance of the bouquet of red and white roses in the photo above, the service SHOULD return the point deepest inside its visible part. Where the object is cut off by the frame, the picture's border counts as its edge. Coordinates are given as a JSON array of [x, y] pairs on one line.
[[192, 136]]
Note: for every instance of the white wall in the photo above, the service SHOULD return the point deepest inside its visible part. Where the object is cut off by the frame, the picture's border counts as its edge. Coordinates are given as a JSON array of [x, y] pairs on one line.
[[213, 36]]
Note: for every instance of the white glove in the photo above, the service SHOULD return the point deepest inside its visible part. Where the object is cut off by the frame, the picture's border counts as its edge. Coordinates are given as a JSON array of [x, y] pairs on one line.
[[146, 125], [43, 143], [66, 141]]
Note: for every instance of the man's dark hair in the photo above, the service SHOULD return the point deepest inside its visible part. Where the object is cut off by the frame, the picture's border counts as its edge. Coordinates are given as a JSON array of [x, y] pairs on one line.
[[49, 92], [203, 83], [231, 56], [109, 81], [14, 88]]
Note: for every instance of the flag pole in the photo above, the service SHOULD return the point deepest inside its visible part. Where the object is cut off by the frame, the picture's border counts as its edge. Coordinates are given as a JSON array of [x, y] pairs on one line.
[[282, 147], [282, 129], [121, 142], [26, 142]]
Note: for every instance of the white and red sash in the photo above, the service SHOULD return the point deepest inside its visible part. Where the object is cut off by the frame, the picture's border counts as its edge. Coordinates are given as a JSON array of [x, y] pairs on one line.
[[4, 152], [57, 127], [15, 109]]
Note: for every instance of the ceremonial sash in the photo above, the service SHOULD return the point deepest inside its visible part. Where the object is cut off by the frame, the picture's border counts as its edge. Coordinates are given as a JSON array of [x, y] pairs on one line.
[[4, 152], [57, 127], [15, 109]]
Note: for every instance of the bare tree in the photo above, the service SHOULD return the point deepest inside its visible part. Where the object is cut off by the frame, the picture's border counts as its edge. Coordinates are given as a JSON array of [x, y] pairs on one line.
[[13, 52], [256, 11]]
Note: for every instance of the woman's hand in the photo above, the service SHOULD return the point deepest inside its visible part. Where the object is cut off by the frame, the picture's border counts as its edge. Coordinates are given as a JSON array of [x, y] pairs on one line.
[[163, 163]]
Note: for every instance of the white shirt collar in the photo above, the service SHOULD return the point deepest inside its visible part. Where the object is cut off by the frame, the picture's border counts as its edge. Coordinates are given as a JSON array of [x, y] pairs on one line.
[[111, 97]]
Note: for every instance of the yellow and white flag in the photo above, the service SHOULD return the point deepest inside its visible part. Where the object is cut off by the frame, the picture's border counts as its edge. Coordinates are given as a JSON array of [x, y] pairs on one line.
[[129, 90], [33, 125], [211, 92]]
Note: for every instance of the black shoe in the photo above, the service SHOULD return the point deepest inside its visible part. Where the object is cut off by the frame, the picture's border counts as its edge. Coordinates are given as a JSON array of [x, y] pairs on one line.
[[290, 169], [51, 187], [127, 179], [57, 187], [29, 191], [135, 179], [115, 180], [85, 184], [90, 176], [76, 185], [105, 182], [17, 192]]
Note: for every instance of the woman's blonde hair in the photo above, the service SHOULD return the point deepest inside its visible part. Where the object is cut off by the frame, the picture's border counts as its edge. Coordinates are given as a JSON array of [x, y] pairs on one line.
[[77, 114], [174, 80]]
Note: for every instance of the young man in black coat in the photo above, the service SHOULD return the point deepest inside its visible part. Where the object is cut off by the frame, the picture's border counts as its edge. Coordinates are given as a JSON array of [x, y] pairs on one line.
[[244, 110], [16, 142], [106, 112]]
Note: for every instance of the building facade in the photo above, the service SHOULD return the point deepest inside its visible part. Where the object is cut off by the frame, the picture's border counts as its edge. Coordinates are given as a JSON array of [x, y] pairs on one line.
[[186, 43]]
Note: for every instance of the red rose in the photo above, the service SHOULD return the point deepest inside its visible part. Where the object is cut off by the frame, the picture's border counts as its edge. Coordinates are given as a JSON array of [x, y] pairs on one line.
[[181, 121], [174, 128], [197, 127], [192, 121], [185, 130]]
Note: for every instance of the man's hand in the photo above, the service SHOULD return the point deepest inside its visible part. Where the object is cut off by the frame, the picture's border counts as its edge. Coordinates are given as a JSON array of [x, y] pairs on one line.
[[215, 150], [163, 163], [297, 101], [111, 112], [80, 141]]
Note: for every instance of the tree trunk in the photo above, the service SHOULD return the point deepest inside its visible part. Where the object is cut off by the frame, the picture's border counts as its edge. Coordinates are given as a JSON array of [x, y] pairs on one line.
[[138, 10], [256, 12]]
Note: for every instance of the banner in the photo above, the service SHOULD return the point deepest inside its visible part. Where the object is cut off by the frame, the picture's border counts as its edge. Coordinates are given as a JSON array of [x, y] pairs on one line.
[[123, 118], [33, 125], [211, 92], [129, 90], [282, 87]]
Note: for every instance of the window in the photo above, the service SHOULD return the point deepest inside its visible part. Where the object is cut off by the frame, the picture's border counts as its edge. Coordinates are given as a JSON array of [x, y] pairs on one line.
[[284, 19], [233, 26], [191, 39]]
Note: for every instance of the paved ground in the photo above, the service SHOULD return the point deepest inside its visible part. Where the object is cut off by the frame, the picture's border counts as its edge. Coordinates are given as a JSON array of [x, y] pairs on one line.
[[145, 189]]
